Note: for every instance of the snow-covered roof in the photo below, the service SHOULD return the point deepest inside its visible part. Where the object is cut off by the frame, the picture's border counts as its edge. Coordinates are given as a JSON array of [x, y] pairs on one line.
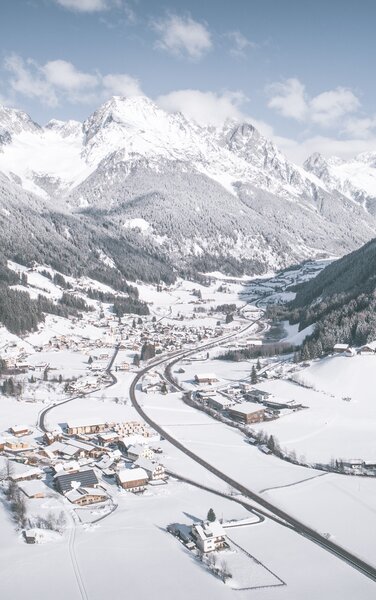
[[148, 464], [247, 408], [19, 428], [77, 493], [128, 475], [19, 470], [209, 529], [203, 376], [31, 488]]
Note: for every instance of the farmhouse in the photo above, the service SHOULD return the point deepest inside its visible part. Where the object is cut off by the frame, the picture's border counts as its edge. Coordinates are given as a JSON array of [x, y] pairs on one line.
[[19, 430], [138, 451], [21, 472], [83, 496], [33, 489], [340, 348], [133, 480], [14, 444], [66, 482], [247, 412], [367, 349], [95, 426], [206, 379], [154, 469], [209, 536]]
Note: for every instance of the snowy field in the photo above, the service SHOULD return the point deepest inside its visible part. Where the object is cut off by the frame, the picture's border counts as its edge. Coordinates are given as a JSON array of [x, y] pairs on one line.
[[129, 552], [331, 427], [105, 559]]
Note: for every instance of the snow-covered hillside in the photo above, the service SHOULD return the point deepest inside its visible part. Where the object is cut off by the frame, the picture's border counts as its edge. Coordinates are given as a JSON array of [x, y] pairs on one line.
[[355, 178], [212, 198]]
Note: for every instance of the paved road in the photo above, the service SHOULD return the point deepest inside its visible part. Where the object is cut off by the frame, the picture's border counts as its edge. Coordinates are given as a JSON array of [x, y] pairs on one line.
[[284, 518]]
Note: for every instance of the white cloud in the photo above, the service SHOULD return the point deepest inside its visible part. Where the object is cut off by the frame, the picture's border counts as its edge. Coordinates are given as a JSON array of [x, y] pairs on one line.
[[120, 84], [206, 108], [63, 74], [183, 36], [290, 99], [85, 5], [60, 80], [26, 79], [239, 43], [328, 107], [299, 151], [361, 127]]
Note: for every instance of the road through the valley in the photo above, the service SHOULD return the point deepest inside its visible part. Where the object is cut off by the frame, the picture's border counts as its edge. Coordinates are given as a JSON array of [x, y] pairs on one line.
[[276, 513]]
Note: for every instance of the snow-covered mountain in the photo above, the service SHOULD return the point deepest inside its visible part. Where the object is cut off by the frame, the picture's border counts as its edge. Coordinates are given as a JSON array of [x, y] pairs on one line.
[[355, 178], [195, 197]]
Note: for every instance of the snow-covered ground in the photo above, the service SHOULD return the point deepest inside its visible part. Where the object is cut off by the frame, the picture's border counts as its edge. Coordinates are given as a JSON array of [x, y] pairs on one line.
[[340, 419], [130, 551]]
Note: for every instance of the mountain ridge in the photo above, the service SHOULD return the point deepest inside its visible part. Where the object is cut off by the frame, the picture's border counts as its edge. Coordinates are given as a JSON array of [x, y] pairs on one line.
[[205, 196]]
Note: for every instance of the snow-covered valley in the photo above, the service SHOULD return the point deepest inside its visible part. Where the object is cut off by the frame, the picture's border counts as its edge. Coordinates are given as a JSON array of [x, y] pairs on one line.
[[78, 373]]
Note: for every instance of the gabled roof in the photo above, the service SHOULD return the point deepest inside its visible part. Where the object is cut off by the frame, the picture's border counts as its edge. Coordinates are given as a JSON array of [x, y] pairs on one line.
[[129, 475], [86, 478], [207, 530], [77, 493], [147, 464]]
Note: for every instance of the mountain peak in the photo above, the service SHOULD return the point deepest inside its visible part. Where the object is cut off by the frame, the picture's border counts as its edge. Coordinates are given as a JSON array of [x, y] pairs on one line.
[[135, 111], [14, 121], [64, 128]]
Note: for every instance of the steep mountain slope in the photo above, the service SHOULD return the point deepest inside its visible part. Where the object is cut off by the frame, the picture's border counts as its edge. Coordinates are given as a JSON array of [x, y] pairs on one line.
[[354, 178], [146, 187], [32, 230], [341, 300]]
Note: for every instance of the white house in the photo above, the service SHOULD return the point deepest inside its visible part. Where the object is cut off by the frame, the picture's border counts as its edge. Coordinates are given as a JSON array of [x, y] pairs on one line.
[[209, 536], [138, 451], [154, 469]]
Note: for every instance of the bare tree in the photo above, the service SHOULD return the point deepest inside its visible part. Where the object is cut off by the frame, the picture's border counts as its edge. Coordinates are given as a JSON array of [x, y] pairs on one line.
[[225, 571], [19, 509]]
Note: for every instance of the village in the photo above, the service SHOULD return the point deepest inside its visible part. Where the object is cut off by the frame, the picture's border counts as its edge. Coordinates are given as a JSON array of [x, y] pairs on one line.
[[75, 451]]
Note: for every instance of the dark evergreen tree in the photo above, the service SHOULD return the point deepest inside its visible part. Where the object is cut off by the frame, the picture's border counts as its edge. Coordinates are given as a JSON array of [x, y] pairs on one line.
[[211, 515], [253, 375]]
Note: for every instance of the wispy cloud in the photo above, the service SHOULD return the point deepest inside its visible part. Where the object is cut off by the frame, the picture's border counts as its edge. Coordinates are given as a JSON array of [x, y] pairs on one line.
[[182, 36], [239, 43], [57, 81], [291, 100], [86, 6], [206, 108]]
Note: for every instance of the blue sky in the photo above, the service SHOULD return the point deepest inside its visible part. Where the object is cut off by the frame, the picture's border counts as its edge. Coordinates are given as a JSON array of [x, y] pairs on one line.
[[300, 70]]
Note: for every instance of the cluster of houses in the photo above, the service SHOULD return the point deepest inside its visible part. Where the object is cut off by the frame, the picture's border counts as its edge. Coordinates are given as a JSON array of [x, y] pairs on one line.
[[240, 402], [367, 350], [85, 460]]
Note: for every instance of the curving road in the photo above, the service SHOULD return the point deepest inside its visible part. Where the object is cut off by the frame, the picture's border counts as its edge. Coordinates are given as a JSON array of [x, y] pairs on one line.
[[284, 518], [43, 413]]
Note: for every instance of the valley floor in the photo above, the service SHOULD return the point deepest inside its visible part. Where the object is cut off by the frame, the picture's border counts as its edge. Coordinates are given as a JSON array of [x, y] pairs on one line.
[[130, 552]]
